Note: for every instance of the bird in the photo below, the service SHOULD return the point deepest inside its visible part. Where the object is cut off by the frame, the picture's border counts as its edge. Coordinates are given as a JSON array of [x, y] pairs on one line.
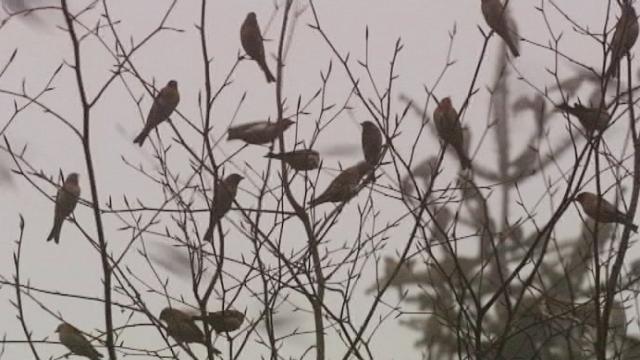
[[223, 196], [301, 160], [450, 130], [624, 36], [223, 321], [182, 328], [371, 143], [605, 212], [592, 119], [495, 14], [66, 200], [344, 186], [259, 132], [163, 105], [73, 339], [252, 43]]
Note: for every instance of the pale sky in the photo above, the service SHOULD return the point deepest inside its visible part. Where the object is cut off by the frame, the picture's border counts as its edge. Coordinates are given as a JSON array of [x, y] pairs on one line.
[[424, 28]]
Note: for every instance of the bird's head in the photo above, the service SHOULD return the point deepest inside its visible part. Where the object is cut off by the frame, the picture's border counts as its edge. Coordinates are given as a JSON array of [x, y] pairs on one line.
[[64, 327], [172, 84], [234, 179], [363, 168], [251, 16], [166, 314], [368, 125], [582, 197], [285, 123], [445, 104], [72, 178]]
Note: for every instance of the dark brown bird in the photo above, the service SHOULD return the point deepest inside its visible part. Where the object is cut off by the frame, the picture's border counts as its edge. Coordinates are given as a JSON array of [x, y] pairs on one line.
[[163, 106], [182, 328], [591, 119], [605, 213], [66, 200], [344, 186], [73, 339], [495, 14], [371, 143], [260, 132], [223, 196], [450, 130], [301, 160], [252, 43], [224, 321], [624, 36]]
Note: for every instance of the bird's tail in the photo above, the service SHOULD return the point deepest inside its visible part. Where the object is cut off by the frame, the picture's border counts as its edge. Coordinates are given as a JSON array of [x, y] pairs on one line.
[[233, 134], [613, 68], [141, 137], [464, 159], [273, 156], [55, 232], [565, 107], [513, 45], [315, 202], [208, 235], [267, 72]]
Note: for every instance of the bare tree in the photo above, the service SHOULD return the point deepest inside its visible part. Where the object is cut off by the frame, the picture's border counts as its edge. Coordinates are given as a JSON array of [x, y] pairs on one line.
[[481, 262]]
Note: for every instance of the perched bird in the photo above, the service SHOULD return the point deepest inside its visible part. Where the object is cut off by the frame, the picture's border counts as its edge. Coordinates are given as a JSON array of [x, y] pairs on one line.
[[344, 186], [496, 17], [260, 132], [371, 143], [163, 106], [223, 196], [605, 213], [224, 321], [301, 160], [592, 119], [182, 328], [624, 36], [251, 40], [73, 339], [450, 130], [66, 200]]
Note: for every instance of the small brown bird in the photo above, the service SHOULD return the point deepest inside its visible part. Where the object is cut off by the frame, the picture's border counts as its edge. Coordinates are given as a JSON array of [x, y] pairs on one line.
[[344, 186], [371, 143], [223, 196], [73, 339], [260, 132], [301, 160], [592, 119], [182, 328], [496, 17], [605, 213], [224, 321], [66, 200], [163, 106], [450, 130], [252, 43], [624, 37]]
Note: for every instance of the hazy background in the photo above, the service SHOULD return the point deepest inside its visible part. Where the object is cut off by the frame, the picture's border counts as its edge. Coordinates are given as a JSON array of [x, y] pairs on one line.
[[424, 28]]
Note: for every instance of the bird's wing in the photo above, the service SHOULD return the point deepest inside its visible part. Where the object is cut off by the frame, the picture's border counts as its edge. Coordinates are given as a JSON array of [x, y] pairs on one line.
[[252, 40], [79, 345], [66, 200]]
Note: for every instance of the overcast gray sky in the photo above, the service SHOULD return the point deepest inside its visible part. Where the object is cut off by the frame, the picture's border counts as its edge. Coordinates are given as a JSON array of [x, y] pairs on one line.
[[424, 28]]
